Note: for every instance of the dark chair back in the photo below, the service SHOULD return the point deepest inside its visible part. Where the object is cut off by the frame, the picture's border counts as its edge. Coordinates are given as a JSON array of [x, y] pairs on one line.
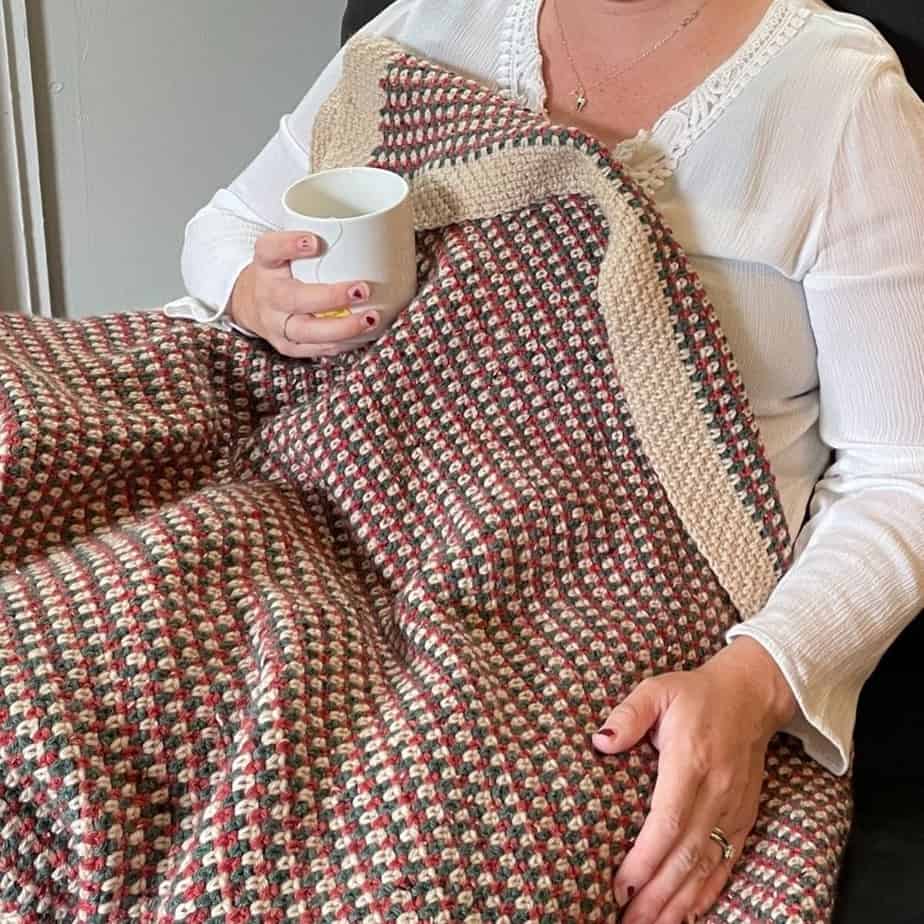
[[358, 13], [902, 23]]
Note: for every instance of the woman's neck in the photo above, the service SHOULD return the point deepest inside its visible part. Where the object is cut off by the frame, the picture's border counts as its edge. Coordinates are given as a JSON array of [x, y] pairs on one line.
[[630, 7], [617, 29], [612, 29], [666, 47]]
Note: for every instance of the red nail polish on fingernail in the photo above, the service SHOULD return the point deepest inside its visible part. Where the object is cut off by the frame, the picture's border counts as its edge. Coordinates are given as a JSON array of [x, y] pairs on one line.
[[630, 891], [358, 294], [606, 732], [371, 320]]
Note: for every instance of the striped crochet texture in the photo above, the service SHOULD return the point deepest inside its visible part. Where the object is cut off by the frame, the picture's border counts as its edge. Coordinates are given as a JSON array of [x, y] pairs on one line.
[[326, 641]]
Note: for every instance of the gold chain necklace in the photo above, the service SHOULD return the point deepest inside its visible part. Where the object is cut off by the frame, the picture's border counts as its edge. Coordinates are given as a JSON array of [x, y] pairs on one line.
[[581, 93]]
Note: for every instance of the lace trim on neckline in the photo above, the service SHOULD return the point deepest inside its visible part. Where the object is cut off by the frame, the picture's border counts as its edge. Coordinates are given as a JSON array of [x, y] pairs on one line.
[[652, 156]]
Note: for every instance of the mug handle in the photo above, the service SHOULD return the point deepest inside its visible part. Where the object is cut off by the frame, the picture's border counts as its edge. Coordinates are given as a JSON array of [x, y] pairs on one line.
[[318, 262]]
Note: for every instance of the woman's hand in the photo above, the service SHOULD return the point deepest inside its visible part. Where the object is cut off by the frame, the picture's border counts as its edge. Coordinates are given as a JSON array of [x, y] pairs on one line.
[[711, 727], [269, 302]]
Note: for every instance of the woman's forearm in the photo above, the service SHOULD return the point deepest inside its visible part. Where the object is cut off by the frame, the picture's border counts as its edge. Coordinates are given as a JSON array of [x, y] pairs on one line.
[[857, 583]]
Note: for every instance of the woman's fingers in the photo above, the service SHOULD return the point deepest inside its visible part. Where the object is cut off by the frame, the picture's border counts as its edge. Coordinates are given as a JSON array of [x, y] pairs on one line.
[[711, 889], [299, 326], [304, 329], [711, 728], [301, 320], [275, 250], [631, 720], [692, 875], [699, 894], [676, 791], [696, 859], [293, 297], [706, 779], [671, 846]]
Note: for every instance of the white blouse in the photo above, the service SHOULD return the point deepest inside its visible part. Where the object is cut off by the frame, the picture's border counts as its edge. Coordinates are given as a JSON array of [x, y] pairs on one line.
[[794, 177]]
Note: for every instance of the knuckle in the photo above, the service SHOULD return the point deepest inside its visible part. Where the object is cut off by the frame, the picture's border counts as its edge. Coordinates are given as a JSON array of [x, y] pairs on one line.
[[671, 823], [723, 780], [627, 712], [704, 867], [699, 759], [688, 858], [264, 248]]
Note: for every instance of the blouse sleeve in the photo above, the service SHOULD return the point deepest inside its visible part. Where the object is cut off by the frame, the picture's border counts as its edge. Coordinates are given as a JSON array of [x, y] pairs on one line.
[[219, 240], [858, 575]]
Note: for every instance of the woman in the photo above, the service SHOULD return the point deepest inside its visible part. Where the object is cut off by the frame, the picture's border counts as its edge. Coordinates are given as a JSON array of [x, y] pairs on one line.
[[785, 149]]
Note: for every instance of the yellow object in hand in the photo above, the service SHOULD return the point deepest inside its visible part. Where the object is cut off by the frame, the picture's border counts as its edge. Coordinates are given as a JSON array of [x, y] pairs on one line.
[[335, 313]]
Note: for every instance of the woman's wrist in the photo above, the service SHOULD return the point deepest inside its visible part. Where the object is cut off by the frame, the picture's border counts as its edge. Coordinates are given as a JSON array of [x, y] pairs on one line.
[[241, 298], [764, 679]]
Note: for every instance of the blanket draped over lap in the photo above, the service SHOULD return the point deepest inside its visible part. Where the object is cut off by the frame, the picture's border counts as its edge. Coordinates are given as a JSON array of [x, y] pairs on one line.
[[326, 641]]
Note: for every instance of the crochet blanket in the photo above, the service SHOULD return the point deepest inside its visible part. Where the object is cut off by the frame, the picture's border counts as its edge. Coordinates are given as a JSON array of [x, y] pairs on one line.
[[326, 641]]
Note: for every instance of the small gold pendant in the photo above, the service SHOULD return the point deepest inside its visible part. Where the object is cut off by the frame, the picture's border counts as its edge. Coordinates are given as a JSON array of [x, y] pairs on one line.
[[581, 100]]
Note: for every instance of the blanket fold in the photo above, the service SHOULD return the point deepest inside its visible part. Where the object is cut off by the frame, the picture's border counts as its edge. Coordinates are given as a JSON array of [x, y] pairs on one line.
[[326, 641]]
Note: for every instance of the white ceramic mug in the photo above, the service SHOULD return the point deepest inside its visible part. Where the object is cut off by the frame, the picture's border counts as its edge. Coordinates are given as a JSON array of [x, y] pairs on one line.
[[366, 222]]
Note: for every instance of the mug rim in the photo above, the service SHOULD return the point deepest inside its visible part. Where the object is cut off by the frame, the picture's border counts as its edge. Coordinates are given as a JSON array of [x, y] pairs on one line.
[[406, 190]]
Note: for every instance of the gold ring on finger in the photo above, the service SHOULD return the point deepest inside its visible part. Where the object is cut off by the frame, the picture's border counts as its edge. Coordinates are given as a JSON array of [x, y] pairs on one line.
[[285, 329], [720, 837]]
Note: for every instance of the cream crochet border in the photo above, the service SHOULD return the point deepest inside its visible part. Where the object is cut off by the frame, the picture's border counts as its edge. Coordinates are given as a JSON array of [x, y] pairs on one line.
[[656, 382]]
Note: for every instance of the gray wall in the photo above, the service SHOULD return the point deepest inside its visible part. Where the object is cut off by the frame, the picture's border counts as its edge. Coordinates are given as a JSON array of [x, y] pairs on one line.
[[146, 108], [9, 298]]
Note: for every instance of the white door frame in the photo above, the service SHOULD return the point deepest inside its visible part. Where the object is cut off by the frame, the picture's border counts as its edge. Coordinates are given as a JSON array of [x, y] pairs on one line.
[[19, 161]]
